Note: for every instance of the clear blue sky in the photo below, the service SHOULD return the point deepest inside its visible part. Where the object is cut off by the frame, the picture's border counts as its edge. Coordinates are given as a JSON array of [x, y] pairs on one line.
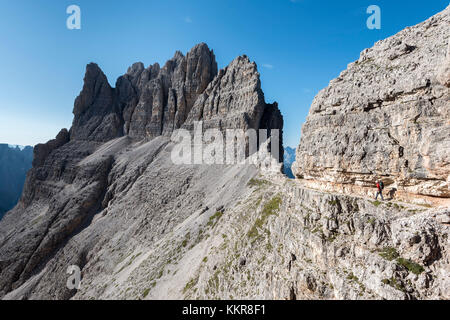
[[299, 46]]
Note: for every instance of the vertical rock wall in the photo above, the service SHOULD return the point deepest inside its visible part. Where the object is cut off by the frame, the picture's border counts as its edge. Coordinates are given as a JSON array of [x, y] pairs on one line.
[[386, 117]]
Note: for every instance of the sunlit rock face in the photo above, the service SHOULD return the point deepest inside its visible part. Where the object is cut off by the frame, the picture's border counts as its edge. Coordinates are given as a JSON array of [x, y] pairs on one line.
[[387, 116], [115, 163]]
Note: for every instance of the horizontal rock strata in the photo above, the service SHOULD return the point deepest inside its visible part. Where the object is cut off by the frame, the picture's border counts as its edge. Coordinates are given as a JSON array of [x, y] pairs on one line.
[[386, 117]]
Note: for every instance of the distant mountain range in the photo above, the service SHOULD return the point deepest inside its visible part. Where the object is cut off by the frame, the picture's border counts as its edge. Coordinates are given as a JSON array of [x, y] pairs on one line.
[[15, 161], [289, 158]]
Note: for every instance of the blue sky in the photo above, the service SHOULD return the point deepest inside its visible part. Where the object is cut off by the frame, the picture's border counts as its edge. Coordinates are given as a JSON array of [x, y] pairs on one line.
[[299, 46]]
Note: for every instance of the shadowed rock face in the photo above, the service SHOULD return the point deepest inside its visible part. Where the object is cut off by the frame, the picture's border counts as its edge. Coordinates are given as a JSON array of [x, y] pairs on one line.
[[158, 100], [154, 101], [140, 227], [222, 106], [120, 139], [386, 116], [96, 114], [146, 102], [14, 165]]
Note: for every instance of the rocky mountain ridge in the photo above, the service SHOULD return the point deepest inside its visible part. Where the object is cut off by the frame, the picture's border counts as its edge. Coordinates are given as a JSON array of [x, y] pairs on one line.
[[117, 141], [154, 101], [104, 196], [385, 117]]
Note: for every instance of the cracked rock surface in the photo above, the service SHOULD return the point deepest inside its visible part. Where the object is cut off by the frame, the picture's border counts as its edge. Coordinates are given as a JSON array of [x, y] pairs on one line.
[[386, 116], [106, 197], [109, 179]]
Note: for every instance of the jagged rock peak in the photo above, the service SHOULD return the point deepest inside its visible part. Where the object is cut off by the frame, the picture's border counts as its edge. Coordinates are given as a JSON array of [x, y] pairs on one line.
[[386, 116], [95, 114], [136, 68], [94, 82], [146, 102], [153, 101], [234, 98]]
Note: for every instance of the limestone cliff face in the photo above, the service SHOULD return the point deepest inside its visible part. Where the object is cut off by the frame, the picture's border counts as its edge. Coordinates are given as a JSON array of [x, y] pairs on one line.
[[118, 151], [444, 70], [105, 196], [305, 244], [147, 102], [222, 106], [387, 116]]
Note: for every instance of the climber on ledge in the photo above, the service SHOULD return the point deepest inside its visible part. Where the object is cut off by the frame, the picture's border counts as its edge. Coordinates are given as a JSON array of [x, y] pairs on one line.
[[380, 187]]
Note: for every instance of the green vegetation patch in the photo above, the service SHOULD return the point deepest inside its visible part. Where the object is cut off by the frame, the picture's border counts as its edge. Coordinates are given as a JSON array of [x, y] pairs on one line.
[[186, 240], [394, 283], [258, 202], [375, 203], [331, 237], [270, 208], [352, 277], [389, 253], [214, 219], [213, 282], [333, 202], [410, 265], [257, 182], [192, 283], [129, 262], [398, 206]]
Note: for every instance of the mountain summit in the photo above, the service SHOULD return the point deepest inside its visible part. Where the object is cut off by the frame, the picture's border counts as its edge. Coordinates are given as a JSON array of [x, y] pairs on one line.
[[105, 198], [109, 179]]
